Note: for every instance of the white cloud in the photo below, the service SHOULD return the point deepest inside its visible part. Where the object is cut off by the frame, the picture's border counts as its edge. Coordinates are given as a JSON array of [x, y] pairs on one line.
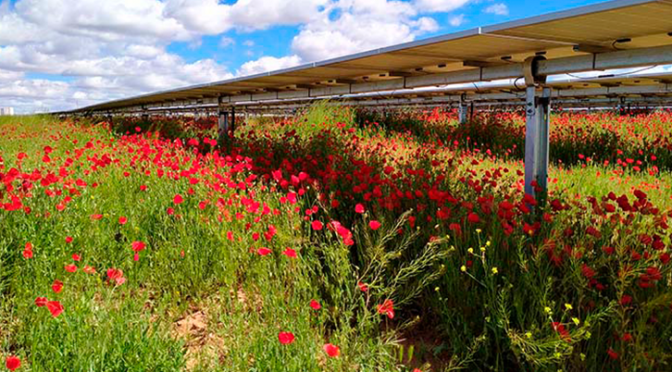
[[457, 20], [498, 9], [226, 41], [439, 5], [265, 64], [116, 48]]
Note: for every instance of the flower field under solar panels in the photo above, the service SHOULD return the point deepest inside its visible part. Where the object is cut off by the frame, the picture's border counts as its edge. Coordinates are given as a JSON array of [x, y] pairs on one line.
[[334, 241]]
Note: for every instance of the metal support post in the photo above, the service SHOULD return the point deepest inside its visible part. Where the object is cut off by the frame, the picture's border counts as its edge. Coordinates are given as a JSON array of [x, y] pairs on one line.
[[463, 110], [223, 126], [233, 119], [537, 110]]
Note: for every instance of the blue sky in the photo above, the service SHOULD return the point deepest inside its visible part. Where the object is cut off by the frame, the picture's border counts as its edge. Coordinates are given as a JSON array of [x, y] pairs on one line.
[[88, 51]]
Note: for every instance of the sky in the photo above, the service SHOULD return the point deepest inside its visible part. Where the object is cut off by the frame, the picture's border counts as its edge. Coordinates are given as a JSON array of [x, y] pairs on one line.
[[62, 54]]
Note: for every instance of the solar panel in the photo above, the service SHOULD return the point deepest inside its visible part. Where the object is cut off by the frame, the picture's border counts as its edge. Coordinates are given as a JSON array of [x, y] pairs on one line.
[[614, 25]]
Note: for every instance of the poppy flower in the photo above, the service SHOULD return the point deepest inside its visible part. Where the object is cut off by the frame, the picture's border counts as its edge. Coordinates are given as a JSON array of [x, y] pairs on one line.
[[315, 305], [68, 239], [359, 208], [177, 199], [286, 338], [332, 350], [55, 308], [71, 268], [612, 354], [57, 286], [12, 363], [317, 225], [138, 246], [41, 301], [374, 225], [363, 287], [263, 251], [27, 254], [289, 252], [123, 220], [76, 257], [387, 308], [96, 217], [473, 218], [116, 276], [89, 270]]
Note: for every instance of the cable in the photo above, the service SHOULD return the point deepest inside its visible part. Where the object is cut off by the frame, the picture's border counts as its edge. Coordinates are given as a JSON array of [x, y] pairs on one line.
[[614, 75]]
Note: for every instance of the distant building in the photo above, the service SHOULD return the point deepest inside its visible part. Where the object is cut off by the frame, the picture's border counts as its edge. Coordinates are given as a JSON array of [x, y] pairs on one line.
[[6, 111]]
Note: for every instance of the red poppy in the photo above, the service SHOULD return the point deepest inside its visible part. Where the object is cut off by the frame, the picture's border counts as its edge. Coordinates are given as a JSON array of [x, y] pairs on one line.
[[317, 225], [178, 199], [289, 252], [315, 305], [12, 363], [332, 350], [68, 239], [55, 308], [123, 220], [89, 270], [27, 254], [40, 301], [76, 257], [473, 218], [71, 268], [96, 216], [286, 338], [359, 208], [138, 246], [612, 354], [387, 308], [263, 251], [57, 286], [363, 287], [374, 225], [116, 276]]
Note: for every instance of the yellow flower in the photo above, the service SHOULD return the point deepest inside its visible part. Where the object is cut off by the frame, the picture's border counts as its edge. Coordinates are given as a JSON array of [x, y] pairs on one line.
[[478, 231], [576, 321], [482, 249], [487, 244], [463, 268], [494, 270], [470, 250], [547, 310], [588, 334], [568, 306], [528, 334]]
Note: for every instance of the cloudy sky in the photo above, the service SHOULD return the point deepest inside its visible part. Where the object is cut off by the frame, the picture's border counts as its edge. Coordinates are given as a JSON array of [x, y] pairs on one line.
[[61, 54]]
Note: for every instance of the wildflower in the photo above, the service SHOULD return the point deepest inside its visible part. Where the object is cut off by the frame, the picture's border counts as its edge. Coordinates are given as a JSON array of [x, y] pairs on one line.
[[568, 306], [89, 269], [315, 305], [68, 239], [359, 208], [177, 199], [289, 252], [55, 308], [263, 251], [71, 268], [316, 225], [374, 225], [123, 220], [363, 287], [57, 286], [331, 350], [286, 338], [12, 363], [387, 308], [495, 271], [116, 276], [576, 321], [41, 301], [76, 257], [463, 268], [612, 354]]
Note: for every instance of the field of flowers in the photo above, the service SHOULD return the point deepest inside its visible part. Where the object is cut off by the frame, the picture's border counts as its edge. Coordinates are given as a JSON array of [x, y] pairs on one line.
[[334, 241]]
